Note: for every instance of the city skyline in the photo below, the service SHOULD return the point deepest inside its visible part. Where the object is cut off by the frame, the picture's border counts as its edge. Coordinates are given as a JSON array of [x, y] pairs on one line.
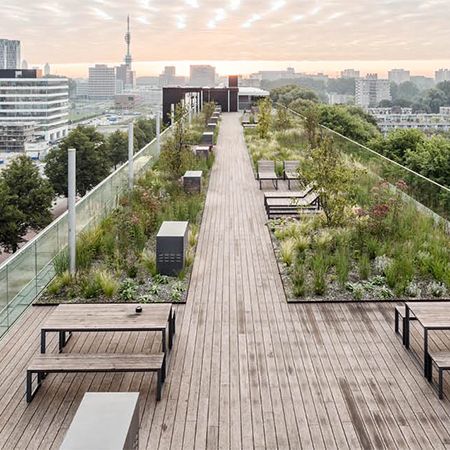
[[273, 30]]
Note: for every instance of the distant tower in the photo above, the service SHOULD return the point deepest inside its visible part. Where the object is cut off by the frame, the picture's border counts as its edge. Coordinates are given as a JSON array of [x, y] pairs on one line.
[[24, 64], [47, 69], [128, 59]]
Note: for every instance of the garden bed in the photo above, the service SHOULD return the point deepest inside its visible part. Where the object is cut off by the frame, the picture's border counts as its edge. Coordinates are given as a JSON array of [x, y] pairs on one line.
[[370, 243], [116, 261]]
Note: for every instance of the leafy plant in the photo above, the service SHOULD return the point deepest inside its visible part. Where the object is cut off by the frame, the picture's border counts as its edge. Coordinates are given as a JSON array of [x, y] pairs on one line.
[[319, 266], [107, 283], [149, 261], [342, 263], [161, 279], [128, 290]]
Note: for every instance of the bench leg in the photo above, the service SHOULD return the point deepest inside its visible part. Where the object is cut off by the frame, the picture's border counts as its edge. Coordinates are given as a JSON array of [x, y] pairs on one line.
[[441, 384], [29, 385], [43, 341], [158, 386], [396, 322], [260, 185]]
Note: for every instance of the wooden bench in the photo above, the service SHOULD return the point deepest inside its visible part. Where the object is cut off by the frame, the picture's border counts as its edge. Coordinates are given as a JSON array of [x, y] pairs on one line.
[[401, 313], [93, 362], [266, 172], [290, 171], [291, 204], [442, 362]]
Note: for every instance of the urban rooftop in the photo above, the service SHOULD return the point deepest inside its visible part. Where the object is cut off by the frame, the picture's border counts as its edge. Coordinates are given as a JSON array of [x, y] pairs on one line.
[[223, 262]]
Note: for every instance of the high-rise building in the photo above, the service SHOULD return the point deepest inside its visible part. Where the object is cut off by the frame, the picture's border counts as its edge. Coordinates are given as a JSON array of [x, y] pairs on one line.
[[27, 98], [126, 76], [442, 75], [9, 54], [202, 75], [350, 73], [169, 77], [47, 69], [102, 82], [399, 76], [370, 91]]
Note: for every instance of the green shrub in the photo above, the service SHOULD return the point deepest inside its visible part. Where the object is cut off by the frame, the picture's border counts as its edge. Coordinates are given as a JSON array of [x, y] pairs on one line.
[[149, 261], [61, 262], [59, 283], [319, 266], [298, 281], [90, 286], [364, 267], [287, 251], [128, 290], [342, 263], [107, 282]]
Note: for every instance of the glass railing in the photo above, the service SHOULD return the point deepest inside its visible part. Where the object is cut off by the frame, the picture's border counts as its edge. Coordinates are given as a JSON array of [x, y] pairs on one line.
[[24, 276], [430, 196]]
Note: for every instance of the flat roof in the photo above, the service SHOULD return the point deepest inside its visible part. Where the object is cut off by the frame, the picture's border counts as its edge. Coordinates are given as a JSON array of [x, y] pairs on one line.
[[252, 91]]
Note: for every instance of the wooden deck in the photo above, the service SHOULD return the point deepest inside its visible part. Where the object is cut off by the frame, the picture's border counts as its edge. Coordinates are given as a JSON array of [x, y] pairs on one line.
[[247, 369]]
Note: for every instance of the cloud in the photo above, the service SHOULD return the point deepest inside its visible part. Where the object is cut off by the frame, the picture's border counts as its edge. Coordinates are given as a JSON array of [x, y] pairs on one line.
[[235, 29]]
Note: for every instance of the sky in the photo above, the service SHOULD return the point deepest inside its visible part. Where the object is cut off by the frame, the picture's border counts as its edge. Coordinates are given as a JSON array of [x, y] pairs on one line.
[[317, 35]]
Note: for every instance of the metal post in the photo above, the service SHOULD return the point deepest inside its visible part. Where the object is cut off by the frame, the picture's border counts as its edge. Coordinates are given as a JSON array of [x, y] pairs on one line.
[[190, 108], [72, 212], [228, 100], [158, 131], [201, 101], [130, 155], [172, 114]]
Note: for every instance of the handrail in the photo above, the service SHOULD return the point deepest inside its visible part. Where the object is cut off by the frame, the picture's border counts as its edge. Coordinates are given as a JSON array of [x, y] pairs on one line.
[[370, 150]]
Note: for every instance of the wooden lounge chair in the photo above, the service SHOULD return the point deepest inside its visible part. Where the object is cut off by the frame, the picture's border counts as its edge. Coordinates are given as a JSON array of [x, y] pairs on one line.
[[266, 172], [290, 171], [93, 362], [291, 204]]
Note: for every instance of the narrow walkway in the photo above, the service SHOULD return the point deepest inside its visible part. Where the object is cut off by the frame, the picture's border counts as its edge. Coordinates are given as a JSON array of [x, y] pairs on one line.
[[247, 370]]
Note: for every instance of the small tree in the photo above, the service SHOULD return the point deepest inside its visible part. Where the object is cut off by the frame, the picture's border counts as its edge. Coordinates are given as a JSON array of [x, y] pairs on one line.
[[117, 144], [10, 220], [264, 117], [176, 154], [312, 118], [282, 119], [32, 194], [208, 110], [332, 178], [93, 163]]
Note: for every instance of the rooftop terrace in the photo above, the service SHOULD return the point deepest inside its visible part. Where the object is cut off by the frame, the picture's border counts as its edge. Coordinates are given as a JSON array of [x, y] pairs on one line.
[[248, 370]]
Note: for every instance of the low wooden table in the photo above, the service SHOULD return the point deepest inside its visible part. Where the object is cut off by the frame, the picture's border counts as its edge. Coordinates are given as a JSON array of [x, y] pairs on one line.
[[109, 317], [431, 316]]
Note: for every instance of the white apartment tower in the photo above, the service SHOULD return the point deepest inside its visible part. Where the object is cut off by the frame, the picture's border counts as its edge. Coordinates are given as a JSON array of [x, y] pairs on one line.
[[26, 98], [102, 82], [203, 75], [399, 76], [350, 74], [442, 75], [370, 91], [9, 54]]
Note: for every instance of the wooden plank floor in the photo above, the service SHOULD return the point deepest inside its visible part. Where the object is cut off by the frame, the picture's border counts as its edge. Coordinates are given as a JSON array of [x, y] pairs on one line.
[[247, 369]]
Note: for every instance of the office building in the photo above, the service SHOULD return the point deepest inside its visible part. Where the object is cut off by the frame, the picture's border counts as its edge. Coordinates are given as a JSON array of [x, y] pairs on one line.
[[102, 82], [26, 98], [170, 78], [126, 76], [15, 135], [399, 76], [81, 88], [350, 74], [370, 91], [442, 75], [9, 54], [202, 75]]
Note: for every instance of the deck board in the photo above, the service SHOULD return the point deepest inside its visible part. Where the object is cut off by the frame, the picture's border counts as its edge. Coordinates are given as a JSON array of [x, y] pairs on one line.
[[247, 369]]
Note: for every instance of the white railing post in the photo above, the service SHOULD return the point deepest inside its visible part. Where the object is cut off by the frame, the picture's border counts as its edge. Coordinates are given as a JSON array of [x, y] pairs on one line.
[[130, 155], [158, 131], [72, 219]]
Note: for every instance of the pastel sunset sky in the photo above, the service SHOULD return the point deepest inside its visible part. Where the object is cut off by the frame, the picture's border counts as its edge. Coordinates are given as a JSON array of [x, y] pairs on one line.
[[239, 35]]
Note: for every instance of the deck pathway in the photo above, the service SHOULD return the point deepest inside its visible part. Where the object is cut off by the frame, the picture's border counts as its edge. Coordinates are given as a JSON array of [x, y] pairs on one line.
[[247, 369]]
